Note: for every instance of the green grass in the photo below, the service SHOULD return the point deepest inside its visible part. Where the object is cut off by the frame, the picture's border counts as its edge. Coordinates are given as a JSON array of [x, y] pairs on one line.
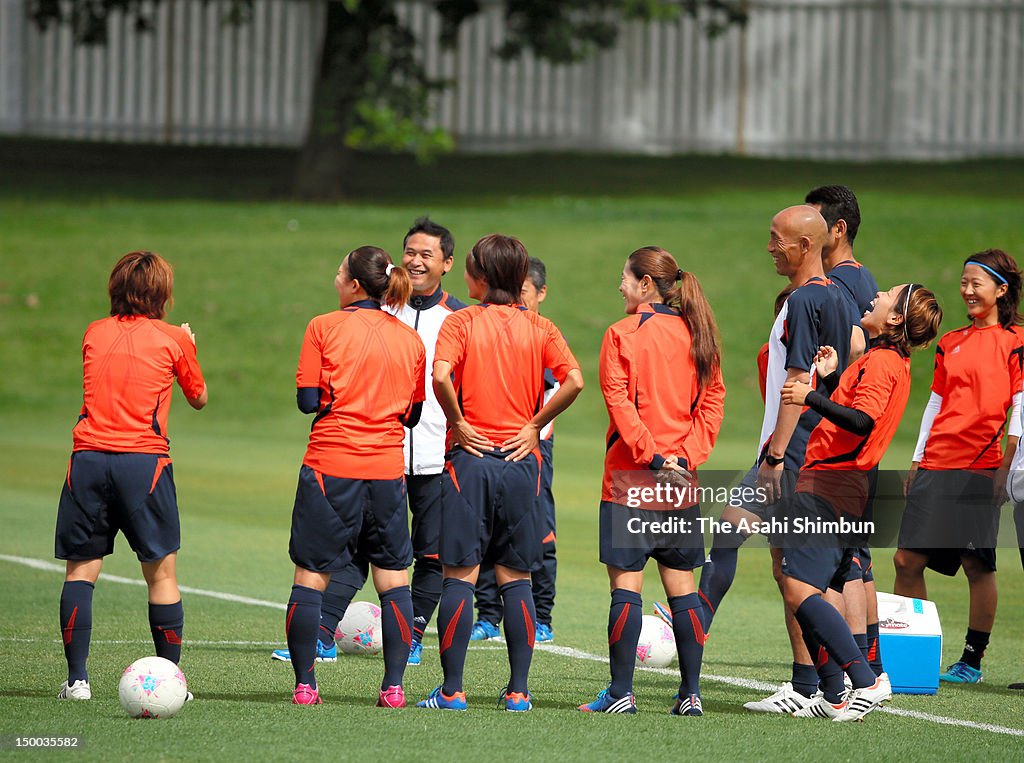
[[248, 279]]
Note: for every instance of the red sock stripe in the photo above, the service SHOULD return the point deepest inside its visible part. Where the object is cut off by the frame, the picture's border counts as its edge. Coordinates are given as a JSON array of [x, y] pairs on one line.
[[698, 629], [288, 619], [531, 630], [449, 632], [706, 601], [873, 650], [69, 628], [171, 637], [620, 624], [822, 658], [403, 626]]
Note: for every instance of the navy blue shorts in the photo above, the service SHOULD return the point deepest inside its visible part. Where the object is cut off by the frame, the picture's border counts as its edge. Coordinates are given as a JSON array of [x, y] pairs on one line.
[[109, 492], [630, 552], [821, 567], [949, 515], [547, 496], [821, 560], [425, 507], [336, 520], [860, 565], [764, 511], [490, 511]]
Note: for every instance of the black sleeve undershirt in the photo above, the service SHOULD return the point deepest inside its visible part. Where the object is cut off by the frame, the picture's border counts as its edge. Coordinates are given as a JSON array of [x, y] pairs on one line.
[[849, 419]]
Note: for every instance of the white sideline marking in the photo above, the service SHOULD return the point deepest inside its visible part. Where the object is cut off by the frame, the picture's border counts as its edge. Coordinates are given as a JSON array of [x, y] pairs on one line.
[[563, 651], [194, 642], [40, 564]]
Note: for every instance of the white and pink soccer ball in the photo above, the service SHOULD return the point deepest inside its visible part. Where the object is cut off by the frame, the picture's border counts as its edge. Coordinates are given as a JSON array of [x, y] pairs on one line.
[[359, 632], [152, 688], [657, 645]]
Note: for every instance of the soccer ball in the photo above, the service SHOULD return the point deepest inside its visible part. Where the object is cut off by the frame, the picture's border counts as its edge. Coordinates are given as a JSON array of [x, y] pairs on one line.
[[657, 645], [152, 688], [359, 631]]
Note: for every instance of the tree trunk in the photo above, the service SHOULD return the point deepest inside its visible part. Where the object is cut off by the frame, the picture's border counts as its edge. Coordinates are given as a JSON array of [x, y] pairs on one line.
[[324, 160]]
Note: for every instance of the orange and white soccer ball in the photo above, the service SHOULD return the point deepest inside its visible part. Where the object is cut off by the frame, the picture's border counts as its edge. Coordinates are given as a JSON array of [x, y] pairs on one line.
[[657, 645], [359, 631], [152, 688]]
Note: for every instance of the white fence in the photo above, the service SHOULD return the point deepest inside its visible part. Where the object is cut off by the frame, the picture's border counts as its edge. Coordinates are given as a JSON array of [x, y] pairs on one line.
[[838, 78]]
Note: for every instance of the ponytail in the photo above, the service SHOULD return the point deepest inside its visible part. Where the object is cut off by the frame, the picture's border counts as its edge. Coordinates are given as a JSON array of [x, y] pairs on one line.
[[399, 287], [705, 344], [688, 298]]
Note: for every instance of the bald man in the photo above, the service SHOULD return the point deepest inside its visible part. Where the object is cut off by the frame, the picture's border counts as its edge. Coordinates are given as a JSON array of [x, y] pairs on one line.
[[814, 315]]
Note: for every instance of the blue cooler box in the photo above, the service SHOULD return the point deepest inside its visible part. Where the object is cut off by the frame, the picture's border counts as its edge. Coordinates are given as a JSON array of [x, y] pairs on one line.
[[910, 637]]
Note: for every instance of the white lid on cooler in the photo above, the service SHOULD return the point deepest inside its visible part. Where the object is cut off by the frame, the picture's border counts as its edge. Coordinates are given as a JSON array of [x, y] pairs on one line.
[[910, 617]]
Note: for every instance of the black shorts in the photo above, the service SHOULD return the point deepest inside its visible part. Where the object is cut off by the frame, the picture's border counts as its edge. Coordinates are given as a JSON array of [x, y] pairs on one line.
[[336, 520], [627, 551], [547, 496], [949, 515], [107, 492], [425, 507], [490, 511]]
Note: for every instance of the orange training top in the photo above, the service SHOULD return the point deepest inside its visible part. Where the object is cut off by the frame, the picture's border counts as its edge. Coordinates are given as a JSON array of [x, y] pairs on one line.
[[977, 373], [877, 384], [369, 368], [128, 366], [498, 354], [653, 395]]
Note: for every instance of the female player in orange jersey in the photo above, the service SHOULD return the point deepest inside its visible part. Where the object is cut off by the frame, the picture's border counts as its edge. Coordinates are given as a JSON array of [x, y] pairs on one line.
[[361, 371], [958, 477], [662, 383], [489, 367], [120, 477], [860, 417]]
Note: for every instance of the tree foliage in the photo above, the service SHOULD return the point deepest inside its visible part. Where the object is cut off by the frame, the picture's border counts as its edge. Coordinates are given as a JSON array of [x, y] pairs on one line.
[[372, 90]]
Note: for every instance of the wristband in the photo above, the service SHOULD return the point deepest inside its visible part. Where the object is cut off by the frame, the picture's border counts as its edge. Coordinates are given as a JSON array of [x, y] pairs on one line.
[[772, 460]]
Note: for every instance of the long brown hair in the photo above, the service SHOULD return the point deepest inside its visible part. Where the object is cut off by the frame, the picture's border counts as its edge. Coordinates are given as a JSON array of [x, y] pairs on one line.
[[141, 283], [369, 266], [683, 291]]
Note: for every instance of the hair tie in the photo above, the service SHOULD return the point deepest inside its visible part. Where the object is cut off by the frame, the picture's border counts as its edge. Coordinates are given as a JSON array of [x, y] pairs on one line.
[[906, 307], [994, 272], [388, 269], [679, 275]]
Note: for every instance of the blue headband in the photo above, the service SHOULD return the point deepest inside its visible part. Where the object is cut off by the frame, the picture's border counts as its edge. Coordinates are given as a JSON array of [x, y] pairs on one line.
[[990, 270]]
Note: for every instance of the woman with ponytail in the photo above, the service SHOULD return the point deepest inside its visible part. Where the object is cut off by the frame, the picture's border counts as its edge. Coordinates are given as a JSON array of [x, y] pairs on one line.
[[957, 480], [661, 379], [361, 371], [860, 410]]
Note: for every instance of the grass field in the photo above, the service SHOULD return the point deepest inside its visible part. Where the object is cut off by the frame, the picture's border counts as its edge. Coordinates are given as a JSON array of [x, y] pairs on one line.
[[253, 267]]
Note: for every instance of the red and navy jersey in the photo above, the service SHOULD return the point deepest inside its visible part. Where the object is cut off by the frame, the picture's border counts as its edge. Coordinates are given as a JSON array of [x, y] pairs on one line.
[[368, 366], [977, 373], [128, 367], [762, 369], [815, 314], [877, 384], [653, 394], [857, 283], [498, 354]]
